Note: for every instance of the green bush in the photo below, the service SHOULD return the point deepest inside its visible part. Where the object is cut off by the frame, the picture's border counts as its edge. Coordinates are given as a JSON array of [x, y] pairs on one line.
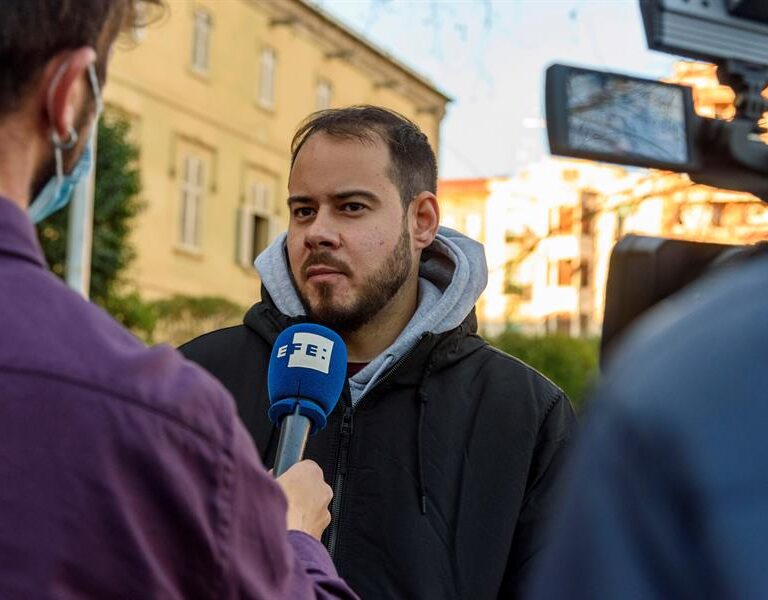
[[116, 205], [180, 318], [134, 313], [572, 363]]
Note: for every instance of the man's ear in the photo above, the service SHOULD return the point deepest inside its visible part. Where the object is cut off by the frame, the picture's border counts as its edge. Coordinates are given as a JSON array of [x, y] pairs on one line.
[[425, 219], [64, 88]]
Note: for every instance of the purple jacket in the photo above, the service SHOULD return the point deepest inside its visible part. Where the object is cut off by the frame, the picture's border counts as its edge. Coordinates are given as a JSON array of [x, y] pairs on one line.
[[124, 472]]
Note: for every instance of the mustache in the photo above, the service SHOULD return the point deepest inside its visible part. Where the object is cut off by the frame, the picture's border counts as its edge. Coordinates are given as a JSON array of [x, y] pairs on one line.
[[327, 259]]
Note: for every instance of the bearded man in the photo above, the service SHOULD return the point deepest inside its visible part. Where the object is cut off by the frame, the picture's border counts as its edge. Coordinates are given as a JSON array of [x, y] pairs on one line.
[[442, 451]]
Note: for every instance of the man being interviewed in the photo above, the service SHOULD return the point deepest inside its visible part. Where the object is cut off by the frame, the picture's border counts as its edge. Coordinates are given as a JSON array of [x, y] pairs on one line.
[[443, 451]]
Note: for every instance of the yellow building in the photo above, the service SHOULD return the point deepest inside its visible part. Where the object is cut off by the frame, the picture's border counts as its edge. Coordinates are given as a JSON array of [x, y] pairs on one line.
[[214, 93]]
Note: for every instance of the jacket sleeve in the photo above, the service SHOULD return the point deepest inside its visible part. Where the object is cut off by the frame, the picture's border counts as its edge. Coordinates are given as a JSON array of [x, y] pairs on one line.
[[266, 560], [621, 532], [542, 490]]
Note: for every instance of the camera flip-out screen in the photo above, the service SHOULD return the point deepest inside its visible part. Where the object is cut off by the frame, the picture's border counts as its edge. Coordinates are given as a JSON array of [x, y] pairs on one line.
[[620, 119]]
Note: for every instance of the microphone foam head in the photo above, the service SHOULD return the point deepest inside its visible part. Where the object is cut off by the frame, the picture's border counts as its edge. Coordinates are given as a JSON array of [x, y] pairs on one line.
[[307, 369]]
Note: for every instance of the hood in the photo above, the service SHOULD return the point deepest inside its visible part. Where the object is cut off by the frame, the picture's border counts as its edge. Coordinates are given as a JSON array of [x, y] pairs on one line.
[[452, 275]]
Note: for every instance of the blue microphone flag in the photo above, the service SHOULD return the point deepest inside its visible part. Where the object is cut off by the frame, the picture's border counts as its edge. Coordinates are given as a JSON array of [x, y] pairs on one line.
[[307, 370]]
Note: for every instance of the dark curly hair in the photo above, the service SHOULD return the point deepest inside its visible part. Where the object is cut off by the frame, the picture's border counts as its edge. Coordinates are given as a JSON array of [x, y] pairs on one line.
[[32, 31]]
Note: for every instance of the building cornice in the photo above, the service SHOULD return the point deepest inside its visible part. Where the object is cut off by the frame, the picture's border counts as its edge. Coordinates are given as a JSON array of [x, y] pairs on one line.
[[342, 43]]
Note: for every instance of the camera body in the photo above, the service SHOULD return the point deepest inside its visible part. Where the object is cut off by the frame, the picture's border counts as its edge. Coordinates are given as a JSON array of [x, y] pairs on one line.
[[708, 30]]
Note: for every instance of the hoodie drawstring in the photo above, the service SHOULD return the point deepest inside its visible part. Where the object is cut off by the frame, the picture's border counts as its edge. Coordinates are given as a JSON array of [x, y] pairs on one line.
[[423, 398]]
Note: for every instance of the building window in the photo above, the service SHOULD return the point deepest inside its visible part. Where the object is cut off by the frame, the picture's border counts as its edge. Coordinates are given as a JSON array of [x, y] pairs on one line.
[[192, 193], [570, 175], [323, 95], [257, 222], [561, 220], [564, 272], [563, 324], [558, 324], [717, 214], [584, 322], [139, 31], [560, 273], [588, 209], [201, 41], [267, 72], [566, 219], [584, 274], [552, 274]]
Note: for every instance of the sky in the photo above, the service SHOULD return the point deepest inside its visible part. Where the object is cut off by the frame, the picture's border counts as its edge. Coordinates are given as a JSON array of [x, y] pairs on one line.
[[490, 56]]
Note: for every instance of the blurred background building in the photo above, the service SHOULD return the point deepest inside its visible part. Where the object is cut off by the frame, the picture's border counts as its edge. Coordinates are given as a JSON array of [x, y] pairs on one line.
[[550, 229], [213, 94]]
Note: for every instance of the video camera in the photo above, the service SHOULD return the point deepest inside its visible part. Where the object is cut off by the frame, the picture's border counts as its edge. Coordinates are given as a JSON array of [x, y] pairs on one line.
[[640, 122]]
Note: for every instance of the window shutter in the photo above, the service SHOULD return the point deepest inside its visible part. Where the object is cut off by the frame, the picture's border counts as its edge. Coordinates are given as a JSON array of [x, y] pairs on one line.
[[244, 236]]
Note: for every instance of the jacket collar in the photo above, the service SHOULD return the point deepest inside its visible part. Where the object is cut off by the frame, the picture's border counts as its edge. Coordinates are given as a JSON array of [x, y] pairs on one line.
[[18, 237], [440, 350]]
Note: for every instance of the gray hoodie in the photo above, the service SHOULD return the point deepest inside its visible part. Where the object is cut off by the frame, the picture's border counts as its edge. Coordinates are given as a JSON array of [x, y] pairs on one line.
[[452, 275]]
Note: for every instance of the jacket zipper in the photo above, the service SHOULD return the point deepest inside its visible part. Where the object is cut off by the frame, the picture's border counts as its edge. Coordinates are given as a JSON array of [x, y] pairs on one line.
[[341, 472], [343, 457]]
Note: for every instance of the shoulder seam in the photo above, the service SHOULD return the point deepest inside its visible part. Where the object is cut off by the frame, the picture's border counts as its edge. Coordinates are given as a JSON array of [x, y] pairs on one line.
[[525, 365], [213, 333]]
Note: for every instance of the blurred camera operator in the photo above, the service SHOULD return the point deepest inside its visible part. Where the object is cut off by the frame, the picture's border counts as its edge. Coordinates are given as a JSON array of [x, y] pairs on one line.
[[668, 490]]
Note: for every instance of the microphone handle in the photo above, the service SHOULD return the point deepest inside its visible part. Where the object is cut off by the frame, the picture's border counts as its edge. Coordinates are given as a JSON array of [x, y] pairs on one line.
[[294, 431]]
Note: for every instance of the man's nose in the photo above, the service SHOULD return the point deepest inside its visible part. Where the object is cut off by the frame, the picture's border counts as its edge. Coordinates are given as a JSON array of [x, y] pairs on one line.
[[322, 232]]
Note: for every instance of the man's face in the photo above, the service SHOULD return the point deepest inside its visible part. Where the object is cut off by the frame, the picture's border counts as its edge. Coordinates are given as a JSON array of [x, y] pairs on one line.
[[348, 242]]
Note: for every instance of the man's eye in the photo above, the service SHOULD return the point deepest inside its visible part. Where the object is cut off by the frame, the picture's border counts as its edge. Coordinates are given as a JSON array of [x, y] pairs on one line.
[[353, 207], [303, 212]]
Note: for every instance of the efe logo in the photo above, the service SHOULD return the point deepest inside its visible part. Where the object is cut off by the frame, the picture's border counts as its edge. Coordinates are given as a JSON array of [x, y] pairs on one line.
[[309, 351]]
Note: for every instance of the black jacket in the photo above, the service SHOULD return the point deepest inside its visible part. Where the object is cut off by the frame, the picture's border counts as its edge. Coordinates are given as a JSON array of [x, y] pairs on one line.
[[443, 474]]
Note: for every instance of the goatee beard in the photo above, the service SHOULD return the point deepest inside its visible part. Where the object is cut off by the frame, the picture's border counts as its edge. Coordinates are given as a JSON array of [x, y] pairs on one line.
[[374, 294]]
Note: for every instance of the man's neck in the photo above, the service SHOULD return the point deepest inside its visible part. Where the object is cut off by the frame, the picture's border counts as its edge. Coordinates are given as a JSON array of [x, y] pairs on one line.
[[17, 160], [377, 335]]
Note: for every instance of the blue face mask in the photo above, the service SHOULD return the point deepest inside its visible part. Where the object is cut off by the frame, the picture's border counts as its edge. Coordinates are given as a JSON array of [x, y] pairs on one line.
[[57, 192]]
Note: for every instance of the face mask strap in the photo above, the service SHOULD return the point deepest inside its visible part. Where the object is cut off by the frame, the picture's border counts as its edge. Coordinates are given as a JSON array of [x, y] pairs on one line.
[[59, 146], [96, 89], [57, 191]]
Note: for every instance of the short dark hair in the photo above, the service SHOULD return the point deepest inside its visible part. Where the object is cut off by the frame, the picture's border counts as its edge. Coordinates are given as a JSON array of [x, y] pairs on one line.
[[33, 31], [413, 167]]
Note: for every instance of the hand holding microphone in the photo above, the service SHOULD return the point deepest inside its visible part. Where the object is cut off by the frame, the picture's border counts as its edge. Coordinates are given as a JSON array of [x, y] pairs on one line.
[[308, 498], [307, 370]]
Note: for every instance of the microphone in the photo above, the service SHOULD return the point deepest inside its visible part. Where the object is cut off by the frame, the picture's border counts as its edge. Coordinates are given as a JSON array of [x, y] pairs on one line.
[[305, 378]]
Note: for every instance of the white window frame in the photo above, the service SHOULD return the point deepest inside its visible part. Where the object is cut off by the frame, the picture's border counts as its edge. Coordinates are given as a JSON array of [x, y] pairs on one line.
[[323, 94], [139, 32], [259, 202], [192, 196], [267, 77], [201, 41]]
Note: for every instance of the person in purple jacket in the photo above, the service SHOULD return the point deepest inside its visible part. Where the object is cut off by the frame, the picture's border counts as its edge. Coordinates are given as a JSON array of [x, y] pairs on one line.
[[124, 472]]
